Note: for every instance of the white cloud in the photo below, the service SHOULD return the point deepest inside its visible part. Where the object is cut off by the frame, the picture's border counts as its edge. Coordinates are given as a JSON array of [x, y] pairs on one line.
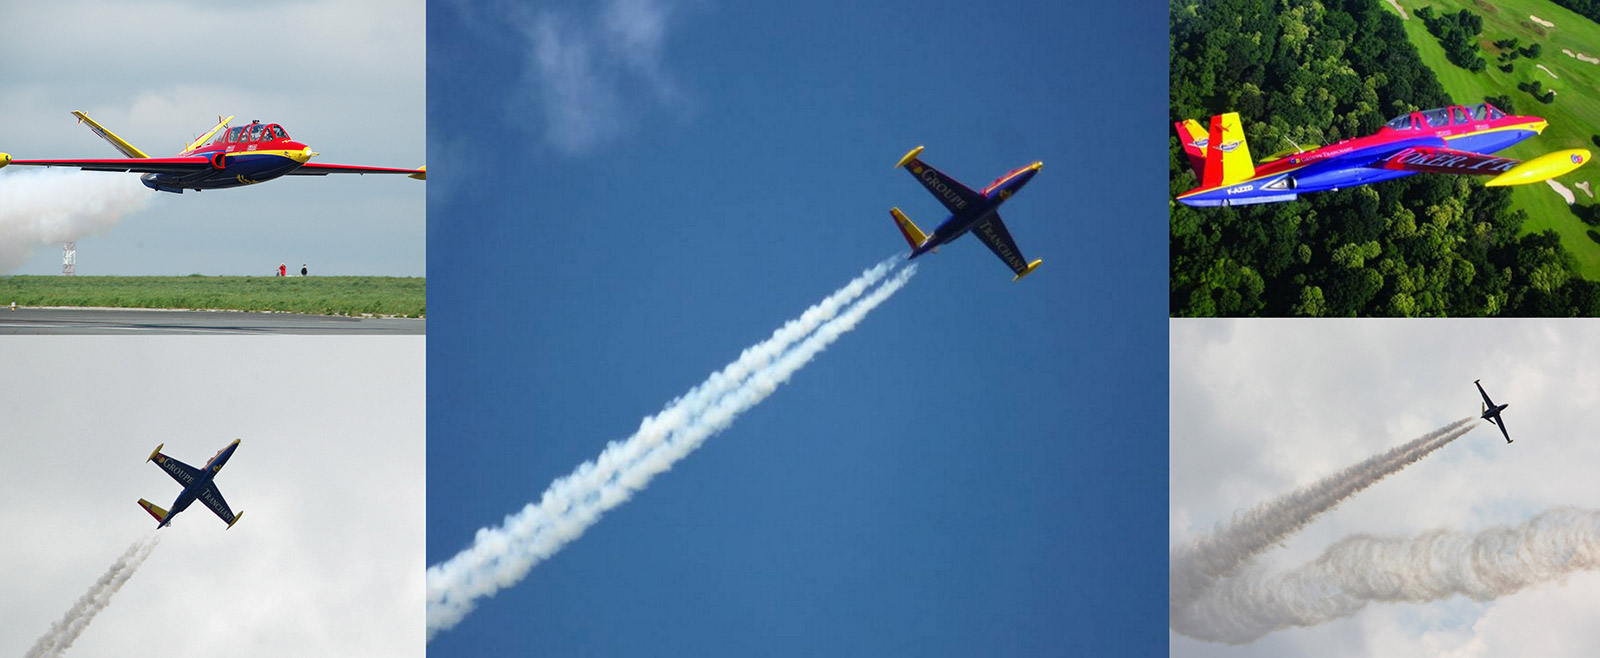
[[594, 77]]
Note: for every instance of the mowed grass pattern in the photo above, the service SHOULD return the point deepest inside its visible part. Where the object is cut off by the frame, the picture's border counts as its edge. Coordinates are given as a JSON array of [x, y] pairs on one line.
[[314, 295], [1574, 116]]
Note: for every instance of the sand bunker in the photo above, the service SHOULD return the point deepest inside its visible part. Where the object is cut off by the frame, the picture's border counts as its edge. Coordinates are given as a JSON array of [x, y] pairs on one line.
[[1585, 187], [1540, 21], [1581, 56], [1563, 191], [1552, 73]]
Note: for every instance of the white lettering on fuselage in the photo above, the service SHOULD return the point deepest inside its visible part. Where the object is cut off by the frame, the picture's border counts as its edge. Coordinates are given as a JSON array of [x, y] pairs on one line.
[[1453, 161], [1241, 189], [1325, 154], [932, 181]]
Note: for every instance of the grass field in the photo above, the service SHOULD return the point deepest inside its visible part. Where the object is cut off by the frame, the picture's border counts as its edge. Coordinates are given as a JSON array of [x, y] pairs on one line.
[[1574, 116], [317, 295]]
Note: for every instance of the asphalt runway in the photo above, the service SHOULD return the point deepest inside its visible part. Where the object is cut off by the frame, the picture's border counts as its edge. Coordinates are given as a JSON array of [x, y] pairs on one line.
[[128, 322]]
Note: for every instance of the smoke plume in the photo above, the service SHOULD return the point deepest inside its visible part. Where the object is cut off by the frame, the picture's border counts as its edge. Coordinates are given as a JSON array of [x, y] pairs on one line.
[[53, 206], [63, 632], [1197, 569], [502, 556]]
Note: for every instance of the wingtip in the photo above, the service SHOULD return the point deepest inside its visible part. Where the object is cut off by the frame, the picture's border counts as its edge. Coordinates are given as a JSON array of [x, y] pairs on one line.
[[1029, 270], [910, 155]]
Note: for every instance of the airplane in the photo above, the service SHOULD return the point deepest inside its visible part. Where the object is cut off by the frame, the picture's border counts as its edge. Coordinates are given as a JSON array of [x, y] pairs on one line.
[[197, 484], [240, 155], [1448, 140], [969, 211], [1491, 411]]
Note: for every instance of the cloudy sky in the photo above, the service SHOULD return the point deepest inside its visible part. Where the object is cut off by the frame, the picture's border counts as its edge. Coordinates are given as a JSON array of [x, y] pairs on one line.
[[344, 76], [328, 557], [1261, 407]]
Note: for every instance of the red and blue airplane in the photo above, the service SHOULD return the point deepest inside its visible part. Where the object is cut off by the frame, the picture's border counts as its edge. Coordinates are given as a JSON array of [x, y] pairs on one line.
[[197, 484], [241, 155], [1449, 140], [969, 211]]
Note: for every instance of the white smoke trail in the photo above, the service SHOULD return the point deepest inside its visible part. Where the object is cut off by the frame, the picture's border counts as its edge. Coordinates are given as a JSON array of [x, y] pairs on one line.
[[501, 557], [1431, 566], [63, 632], [1195, 568], [49, 207]]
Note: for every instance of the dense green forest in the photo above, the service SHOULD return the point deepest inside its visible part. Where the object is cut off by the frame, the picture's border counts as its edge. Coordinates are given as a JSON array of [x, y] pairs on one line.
[[1589, 9], [1307, 72], [1458, 34]]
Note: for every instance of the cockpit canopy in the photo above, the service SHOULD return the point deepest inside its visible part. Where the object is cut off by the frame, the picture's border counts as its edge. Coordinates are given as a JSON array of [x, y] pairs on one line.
[[255, 132], [1445, 116]]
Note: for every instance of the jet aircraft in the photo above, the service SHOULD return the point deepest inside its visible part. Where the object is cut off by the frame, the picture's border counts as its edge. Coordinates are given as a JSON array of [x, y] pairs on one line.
[[223, 157], [197, 484], [1491, 411], [969, 211], [1449, 140]]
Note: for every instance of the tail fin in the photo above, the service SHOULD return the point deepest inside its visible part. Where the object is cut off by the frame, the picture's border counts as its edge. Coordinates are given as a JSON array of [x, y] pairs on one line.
[[913, 235], [155, 511], [201, 140], [1194, 142], [118, 142], [1227, 156]]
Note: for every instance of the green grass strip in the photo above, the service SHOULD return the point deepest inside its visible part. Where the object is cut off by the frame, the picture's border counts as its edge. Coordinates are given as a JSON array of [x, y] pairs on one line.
[[314, 295]]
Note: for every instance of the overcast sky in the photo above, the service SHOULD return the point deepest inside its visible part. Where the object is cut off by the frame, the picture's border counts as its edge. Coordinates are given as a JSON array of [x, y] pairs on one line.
[[328, 557], [344, 76], [1261, 407]]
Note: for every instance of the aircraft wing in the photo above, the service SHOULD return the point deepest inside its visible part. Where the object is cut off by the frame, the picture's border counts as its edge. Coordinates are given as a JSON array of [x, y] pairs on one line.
[[212, 497], [183, 473], [1486, 401], [1502, 425], [994, 235], [950, 192], [319, 169], [181, 165]]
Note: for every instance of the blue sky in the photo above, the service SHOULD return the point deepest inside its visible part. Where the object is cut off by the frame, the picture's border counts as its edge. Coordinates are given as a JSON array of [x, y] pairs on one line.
[[625, 194]]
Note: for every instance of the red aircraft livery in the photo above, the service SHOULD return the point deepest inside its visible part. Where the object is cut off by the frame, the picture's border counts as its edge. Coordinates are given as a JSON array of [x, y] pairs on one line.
[[1448, 140], [223, 157]]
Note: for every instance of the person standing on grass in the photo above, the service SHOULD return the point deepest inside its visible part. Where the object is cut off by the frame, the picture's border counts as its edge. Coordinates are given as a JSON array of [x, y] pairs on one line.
[[283, 270], [302, 269]]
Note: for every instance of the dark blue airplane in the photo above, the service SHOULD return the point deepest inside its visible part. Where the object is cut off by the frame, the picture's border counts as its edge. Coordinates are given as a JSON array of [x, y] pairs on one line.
[[1491, 411], [197, 484], [969, 211]]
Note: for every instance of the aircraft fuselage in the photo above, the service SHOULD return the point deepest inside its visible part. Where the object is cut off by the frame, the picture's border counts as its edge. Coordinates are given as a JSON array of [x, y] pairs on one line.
[[243, 155], [959, 223], [1494, 411], [200, 484], [1351, 162]]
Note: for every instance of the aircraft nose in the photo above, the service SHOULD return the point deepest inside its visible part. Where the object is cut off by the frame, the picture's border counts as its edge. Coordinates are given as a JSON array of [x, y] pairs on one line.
[[1036, 166], [302, 155], [1538, 126]]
